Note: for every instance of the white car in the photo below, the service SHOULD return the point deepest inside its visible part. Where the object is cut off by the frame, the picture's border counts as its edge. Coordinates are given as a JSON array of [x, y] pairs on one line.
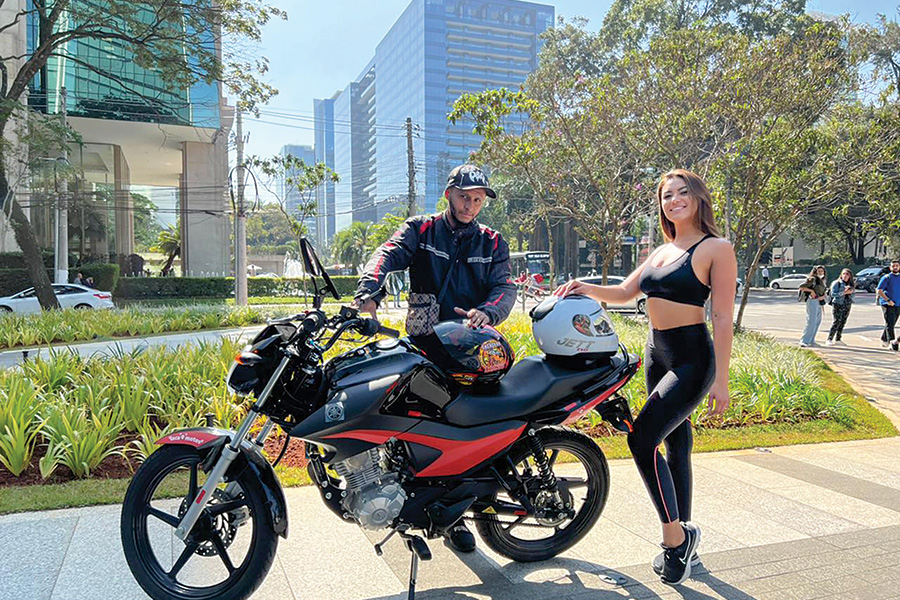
[[792, 281], [639, 304], [70, 295]]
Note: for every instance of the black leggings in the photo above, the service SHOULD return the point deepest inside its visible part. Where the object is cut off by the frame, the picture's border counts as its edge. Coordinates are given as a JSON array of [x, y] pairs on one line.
[[680, 367], [840, 312]]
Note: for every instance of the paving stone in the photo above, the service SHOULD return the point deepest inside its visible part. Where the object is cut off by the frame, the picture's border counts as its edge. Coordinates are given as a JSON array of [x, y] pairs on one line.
[[33, 551]]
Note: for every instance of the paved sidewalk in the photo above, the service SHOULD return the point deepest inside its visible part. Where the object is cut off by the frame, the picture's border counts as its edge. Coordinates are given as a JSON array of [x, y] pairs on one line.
[[795, 523]]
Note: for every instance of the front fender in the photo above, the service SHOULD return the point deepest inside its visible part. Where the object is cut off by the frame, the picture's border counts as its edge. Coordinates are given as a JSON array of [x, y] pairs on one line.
[[210, 440]]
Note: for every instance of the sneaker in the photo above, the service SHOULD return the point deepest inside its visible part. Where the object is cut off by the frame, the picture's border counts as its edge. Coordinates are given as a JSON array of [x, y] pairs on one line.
[[460, 538], [894, 346], [804, 345], [885, 343], [829, 343], [677, 561], [660, 558]]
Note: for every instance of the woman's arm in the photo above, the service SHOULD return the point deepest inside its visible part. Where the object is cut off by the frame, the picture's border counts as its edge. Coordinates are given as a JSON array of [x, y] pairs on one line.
[[722, 275], [625, 291]]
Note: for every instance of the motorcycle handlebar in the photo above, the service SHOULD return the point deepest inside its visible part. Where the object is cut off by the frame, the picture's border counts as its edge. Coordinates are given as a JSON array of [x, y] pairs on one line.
[[370, 327]]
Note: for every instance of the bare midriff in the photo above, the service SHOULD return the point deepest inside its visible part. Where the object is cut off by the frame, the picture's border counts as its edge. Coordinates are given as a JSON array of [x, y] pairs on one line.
[[666, 314]]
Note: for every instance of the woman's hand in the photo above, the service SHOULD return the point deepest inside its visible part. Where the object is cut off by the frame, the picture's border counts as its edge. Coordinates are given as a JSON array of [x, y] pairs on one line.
[[574, 287], [718, 400]]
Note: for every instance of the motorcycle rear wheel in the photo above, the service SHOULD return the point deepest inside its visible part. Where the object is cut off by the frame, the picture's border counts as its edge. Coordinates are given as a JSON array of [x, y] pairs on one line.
[[154, 501], [498, 532]]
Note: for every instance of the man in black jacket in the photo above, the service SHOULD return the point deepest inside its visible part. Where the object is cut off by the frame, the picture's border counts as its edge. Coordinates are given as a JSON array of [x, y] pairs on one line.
[[463, 265]]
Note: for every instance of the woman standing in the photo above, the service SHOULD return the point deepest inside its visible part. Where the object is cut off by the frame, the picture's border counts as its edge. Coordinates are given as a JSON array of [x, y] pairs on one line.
[[842, 290], [682, 363], [813, 293]]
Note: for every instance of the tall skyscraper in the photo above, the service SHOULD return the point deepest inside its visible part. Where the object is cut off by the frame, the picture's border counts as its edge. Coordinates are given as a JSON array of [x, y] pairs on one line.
[[436, 51], [323, 111], [290, 196]]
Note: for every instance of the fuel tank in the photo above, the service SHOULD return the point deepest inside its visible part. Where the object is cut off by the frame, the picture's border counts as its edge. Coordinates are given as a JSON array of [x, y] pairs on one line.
[[382, 386]]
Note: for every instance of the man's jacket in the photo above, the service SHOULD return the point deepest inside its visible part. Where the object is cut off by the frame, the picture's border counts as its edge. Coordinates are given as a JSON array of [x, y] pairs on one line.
[[474, 257]]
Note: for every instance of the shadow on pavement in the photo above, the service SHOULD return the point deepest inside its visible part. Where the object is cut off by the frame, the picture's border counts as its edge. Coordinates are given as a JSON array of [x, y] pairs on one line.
[[580, 579]]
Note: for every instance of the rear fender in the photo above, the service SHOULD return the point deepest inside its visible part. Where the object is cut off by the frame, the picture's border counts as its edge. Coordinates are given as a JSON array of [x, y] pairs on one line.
[[210, 440]]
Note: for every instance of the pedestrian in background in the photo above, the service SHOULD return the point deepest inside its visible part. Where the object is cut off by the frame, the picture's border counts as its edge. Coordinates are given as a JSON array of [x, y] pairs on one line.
[[765, 274], [842, 291], [888, 292], [813, 293]]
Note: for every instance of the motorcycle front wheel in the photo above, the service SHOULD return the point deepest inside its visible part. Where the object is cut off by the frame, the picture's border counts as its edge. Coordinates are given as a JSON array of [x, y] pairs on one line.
[[227, 554], [582, 476]]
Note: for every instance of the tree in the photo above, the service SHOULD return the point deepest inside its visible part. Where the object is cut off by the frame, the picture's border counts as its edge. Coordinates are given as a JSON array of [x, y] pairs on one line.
[[300, 183], [353, 245], [168, 37], [169, 243], [268, 232]]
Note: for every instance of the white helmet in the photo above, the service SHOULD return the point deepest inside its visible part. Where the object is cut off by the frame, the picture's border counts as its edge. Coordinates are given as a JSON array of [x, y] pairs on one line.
[[573, 326]]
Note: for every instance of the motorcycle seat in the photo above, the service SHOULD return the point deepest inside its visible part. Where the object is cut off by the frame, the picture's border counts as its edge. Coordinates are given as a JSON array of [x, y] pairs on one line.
[[531, 384]]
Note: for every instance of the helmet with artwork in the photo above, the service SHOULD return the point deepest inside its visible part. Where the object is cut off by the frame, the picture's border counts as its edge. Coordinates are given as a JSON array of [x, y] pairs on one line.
[[468, 356]]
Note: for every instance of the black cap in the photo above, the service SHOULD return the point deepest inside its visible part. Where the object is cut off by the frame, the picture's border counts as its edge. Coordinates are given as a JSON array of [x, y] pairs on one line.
[[469, 177]]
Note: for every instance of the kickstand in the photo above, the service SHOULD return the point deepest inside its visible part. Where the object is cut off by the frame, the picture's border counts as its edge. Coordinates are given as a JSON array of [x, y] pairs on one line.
[[419, 550]]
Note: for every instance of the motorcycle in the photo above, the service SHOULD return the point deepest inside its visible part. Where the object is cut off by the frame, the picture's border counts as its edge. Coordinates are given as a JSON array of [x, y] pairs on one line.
[[392, 442]]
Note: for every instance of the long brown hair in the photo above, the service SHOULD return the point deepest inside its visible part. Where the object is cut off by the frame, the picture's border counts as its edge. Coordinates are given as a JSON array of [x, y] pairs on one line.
[[705, 220]]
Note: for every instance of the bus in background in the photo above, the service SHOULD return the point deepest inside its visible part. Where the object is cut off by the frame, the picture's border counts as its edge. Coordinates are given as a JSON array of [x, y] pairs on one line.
[[531, 270]]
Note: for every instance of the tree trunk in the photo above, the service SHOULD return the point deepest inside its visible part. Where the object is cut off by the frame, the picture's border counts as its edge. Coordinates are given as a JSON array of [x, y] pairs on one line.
[[745, 295], [554, 274], [519, 238], [31, 252]]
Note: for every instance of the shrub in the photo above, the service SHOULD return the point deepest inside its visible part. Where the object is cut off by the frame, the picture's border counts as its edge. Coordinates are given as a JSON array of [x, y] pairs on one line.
[[106, 276], [146, 288]]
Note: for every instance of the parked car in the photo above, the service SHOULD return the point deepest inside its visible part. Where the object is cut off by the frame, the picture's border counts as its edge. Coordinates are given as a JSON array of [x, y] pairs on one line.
[[639, 304], [868, 278], [740, 287], [791, 281], [70, 295]]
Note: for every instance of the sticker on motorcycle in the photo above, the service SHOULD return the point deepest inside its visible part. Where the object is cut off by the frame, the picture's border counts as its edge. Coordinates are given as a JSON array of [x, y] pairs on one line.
[[492, 356], [334, 411]]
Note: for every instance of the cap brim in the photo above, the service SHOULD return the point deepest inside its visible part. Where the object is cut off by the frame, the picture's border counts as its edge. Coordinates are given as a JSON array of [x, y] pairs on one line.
[[487, 190]]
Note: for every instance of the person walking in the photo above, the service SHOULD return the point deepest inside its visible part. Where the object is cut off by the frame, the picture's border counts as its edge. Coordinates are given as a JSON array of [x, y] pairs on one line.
[[888, 293], [683, 364], [765, 275], [813, 293], [842, 292]]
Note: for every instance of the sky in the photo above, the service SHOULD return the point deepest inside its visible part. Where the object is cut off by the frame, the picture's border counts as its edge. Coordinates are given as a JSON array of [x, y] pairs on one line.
[[324, 45]]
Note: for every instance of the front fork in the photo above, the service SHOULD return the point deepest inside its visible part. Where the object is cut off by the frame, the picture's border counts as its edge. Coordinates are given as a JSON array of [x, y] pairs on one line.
[[230, 452]]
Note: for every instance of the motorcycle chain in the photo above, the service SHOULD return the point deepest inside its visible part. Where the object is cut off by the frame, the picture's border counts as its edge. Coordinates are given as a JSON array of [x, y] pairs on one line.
[[494, 520]]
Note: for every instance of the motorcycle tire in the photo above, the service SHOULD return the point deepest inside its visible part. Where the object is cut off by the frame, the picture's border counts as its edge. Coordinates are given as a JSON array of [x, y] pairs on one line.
[[146, 569], [491, 528]]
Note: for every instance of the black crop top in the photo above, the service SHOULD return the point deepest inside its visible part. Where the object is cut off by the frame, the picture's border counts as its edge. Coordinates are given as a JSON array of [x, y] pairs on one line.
[[676, 281]]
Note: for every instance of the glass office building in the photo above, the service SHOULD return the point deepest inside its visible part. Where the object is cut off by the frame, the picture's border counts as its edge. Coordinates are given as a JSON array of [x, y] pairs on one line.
[[103, 81], [436, 51], [289, 194], [323, 111]]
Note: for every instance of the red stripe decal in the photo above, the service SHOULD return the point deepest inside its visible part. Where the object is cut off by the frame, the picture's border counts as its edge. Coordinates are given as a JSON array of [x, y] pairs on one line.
[[188, 438], [592, 403], [571, 406], [200, 496], [366, 435]]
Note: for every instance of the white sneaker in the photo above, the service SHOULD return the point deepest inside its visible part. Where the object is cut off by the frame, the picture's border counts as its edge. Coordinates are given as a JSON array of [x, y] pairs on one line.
[[885, 344], [830, 343], [804, 345]]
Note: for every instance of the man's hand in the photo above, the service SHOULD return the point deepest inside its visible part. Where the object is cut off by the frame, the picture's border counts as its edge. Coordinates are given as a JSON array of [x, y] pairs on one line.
[[476, 318], [366, 307]]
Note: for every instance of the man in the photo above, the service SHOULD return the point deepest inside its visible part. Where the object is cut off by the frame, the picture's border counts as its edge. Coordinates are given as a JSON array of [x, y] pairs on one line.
[[888, 292], [460, 265], [765, 274], [79, 279]]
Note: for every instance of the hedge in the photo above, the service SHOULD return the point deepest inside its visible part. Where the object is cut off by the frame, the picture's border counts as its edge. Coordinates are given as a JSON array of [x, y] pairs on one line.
[[145, 288], [15, 260], [106, 276]]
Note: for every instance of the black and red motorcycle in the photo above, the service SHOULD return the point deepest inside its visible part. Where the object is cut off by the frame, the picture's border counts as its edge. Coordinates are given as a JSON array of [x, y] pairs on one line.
[[394, 442]]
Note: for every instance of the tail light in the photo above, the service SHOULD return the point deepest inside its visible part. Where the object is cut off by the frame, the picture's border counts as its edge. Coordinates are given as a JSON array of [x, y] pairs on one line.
[[103, 296]]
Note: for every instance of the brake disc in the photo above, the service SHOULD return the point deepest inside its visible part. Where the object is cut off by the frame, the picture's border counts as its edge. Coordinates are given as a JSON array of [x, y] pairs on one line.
[[224, 525]]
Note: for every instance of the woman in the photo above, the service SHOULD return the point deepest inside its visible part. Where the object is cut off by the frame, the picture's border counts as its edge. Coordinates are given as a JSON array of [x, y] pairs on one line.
[[682, 362], [842, 290], [813, 293]]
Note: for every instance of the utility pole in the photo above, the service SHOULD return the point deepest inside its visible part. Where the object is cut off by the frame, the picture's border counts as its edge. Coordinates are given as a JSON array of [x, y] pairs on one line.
[[62, 209], [728, 185], [411, 170], [240, 226]]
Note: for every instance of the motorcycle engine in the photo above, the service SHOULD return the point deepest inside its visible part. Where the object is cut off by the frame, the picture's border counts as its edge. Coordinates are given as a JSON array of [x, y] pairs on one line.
[[374, 495]]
